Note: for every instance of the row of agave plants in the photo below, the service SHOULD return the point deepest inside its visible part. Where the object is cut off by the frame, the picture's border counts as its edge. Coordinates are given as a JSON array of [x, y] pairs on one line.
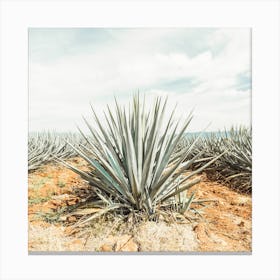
[[43, 147], [137, 165], [235, 166]]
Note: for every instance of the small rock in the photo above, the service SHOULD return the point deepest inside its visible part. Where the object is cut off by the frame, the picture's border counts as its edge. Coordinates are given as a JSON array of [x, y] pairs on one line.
[[108, 245], [106, 248], [57, 203], [72, 201], [77, 242], [70, 230], [63, 218], [241, 224], [71, 219], [200, 231]]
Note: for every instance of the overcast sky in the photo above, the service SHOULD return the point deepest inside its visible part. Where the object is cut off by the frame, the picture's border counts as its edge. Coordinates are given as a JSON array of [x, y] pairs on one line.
[[205, 69]]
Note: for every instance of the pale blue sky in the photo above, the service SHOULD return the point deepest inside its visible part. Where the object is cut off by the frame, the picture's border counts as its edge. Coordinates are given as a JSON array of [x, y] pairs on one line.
[[202, 68]]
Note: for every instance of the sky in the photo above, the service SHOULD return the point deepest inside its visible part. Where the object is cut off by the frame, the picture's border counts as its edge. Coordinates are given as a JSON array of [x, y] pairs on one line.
[[204, 69]]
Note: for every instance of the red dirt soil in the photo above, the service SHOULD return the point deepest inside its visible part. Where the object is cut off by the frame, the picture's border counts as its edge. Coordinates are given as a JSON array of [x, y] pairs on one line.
[[225, 224]]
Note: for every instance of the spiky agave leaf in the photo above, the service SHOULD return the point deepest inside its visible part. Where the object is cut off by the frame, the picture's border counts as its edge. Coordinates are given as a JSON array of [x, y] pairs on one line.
[[132, 155]]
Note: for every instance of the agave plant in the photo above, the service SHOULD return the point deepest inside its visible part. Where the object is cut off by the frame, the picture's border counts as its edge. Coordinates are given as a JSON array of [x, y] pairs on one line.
[[235, 166], [132, 159], [44, 146], [239, 159]]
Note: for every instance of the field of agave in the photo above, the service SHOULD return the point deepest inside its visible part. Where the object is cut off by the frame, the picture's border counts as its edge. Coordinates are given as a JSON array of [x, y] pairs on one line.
[[235, 166], [137, 166], [43, 147]]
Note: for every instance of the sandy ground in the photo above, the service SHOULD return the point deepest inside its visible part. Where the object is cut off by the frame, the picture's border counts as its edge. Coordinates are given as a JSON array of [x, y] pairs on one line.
[[225, 225]]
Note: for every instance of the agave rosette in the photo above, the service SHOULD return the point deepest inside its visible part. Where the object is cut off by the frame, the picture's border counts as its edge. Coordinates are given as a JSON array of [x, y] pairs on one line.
[[133, 157]]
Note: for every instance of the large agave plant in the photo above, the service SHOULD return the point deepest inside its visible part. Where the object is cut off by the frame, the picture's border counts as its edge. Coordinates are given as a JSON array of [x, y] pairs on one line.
[[132, 157]]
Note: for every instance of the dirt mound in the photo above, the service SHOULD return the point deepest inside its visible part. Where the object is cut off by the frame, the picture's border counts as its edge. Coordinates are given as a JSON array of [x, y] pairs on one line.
[[160, 237]]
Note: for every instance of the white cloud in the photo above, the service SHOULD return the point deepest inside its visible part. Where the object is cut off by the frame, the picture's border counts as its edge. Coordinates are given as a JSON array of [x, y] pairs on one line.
[[61, 87]]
